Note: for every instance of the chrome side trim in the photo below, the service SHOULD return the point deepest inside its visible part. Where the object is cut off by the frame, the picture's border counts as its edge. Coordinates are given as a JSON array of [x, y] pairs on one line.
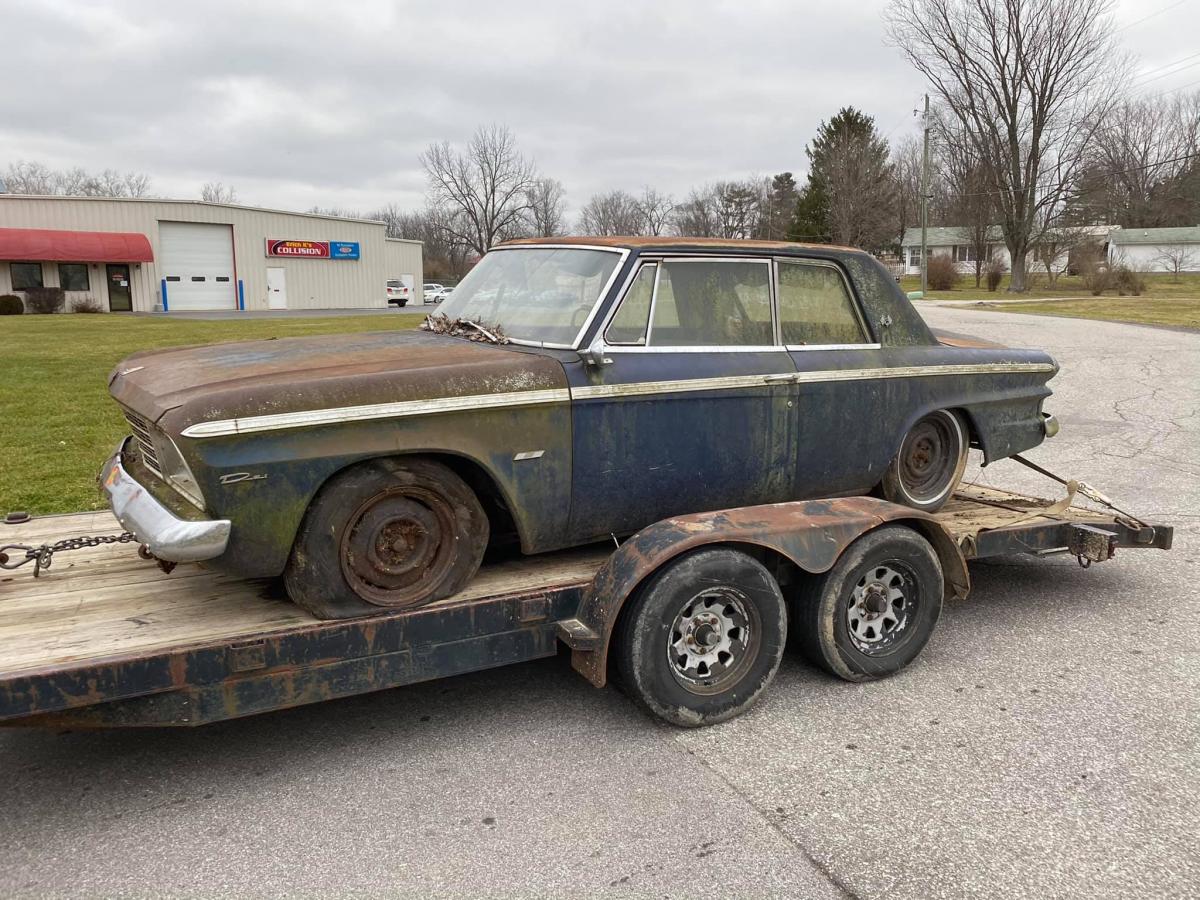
[[835, 346], [529, 454], [398, 410], [642, 388]]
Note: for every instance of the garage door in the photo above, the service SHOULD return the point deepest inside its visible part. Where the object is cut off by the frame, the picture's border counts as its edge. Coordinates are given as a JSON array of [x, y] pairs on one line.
[[197, 262]]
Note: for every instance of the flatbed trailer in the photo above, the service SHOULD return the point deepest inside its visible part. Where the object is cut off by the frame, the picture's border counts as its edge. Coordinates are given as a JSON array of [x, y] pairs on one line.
[[104, 638]]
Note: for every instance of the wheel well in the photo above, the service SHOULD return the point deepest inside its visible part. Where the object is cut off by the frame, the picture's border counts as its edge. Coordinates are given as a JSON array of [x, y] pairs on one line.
[[973, 439], [502, 526]]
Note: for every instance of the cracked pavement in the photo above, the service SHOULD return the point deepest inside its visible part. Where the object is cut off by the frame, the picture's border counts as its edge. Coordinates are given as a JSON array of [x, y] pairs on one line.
[[1045, 744]]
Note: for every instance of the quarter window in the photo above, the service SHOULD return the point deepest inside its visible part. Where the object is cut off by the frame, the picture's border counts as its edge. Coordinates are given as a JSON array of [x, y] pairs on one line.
[[815, 307], [25, 275], [710, 303], [73, 277], [629, 325]]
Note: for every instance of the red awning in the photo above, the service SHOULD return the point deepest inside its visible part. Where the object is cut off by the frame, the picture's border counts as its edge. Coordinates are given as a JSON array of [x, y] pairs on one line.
[[44, 244]]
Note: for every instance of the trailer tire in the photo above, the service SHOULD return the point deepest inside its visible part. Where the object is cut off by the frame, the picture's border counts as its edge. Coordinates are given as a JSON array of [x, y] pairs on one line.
[[395, 533], [703, 638], [872, 613]]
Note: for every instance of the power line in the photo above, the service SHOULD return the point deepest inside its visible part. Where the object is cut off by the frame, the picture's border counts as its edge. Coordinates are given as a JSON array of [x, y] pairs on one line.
[[1152, 15], [1161, 162], [1138, 82]]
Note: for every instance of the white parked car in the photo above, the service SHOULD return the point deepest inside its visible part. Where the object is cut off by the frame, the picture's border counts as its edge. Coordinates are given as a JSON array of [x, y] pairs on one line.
[[432, 292], [397, 293]]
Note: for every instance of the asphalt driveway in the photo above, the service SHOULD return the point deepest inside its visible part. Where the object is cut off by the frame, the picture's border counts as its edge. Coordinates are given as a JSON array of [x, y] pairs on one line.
[[1045, 744]]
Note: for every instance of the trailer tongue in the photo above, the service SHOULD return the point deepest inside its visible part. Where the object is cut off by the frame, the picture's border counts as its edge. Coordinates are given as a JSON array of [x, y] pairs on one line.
[[106, 639]]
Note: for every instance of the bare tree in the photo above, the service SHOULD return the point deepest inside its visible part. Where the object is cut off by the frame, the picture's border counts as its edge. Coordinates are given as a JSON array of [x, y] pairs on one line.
[[906, 169], [696, 216], [216, 192], [778, 207], [738, 207], [969, 203], [616, 212], [1028, 82], [482, 190], [1176, 258], [547, 202], [340, 212], [656, 209], [28, 177]]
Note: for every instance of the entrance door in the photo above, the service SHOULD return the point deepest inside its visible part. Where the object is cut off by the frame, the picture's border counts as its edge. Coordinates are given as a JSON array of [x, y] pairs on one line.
[[276, 288], [120, 297]]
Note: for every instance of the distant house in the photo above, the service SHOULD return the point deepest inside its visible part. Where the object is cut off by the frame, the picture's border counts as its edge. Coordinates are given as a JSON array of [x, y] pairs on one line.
[[955, 242], [1155, 249]]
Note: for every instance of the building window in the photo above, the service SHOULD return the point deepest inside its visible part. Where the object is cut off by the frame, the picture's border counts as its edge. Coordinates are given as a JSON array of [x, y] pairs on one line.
[[25, 275], [73, 277], [964, 253]]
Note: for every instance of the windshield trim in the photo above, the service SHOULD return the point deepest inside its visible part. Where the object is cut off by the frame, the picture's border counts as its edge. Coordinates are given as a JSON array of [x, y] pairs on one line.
[[622, 252]]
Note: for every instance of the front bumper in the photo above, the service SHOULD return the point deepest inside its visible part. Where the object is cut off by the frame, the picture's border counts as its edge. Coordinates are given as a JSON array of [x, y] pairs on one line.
[[166, 535]]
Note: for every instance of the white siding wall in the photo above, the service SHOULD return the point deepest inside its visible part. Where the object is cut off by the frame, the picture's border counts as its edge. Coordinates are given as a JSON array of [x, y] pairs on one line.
[[311, 283], [1145, 257], [967, 268]]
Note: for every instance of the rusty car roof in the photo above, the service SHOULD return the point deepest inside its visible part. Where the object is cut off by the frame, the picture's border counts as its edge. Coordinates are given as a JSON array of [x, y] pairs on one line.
[[646, 242]]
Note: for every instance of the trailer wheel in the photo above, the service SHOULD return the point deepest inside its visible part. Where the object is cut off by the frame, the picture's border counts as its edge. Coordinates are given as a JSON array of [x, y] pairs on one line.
[[704, 638], [930, 464], [389, 533], [872, 613]]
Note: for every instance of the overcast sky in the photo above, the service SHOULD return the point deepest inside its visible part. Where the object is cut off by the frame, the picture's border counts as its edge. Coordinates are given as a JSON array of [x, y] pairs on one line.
[[300, 104]]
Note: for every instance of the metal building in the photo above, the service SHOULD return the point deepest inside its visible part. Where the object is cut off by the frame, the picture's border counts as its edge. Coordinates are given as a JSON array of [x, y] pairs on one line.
[[174, 255]]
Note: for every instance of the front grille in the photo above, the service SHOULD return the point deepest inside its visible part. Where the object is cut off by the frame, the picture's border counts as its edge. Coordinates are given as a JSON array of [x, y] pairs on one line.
[[145, 442]]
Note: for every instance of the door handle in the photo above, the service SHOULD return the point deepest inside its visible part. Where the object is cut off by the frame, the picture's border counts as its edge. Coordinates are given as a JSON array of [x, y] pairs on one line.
[[785, 378]]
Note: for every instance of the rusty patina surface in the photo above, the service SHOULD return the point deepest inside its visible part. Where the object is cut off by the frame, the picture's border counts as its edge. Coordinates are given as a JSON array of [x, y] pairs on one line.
[[602, 450], [811, 534]]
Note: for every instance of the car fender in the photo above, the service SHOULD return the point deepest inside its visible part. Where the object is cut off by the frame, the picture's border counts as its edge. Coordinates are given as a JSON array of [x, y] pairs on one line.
[[812, 534]]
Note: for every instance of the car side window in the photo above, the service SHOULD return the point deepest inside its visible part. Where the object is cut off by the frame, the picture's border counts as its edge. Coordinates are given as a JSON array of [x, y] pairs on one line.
[[629, 325], [815, 306], [712, 303]]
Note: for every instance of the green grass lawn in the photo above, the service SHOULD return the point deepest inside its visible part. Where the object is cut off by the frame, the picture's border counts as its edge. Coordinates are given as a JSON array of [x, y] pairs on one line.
[[1167, 300], [1177, 312], [1158, 286], [57, 421]]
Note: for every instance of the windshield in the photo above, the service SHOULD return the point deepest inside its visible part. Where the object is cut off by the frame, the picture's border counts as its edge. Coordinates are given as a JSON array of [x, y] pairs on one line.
[[533, 293]]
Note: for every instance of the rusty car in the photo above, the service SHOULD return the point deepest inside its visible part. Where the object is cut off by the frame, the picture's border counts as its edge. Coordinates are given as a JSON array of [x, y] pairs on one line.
[[571, 390]]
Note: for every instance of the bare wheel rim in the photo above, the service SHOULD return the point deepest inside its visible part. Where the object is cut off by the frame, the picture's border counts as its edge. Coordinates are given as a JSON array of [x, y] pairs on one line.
[[929, 457], [398, 545], [882, 608], [714, 640]]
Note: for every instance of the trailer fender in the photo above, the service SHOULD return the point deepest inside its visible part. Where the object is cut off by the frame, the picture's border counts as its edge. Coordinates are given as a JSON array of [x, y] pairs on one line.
[[810, 533]]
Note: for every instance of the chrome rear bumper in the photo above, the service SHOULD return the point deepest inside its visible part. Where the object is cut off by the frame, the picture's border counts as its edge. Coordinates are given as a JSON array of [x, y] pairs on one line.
[[164, 533]]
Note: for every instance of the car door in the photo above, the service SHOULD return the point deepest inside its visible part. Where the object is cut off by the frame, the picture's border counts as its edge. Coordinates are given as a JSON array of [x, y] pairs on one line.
[[686, 408], [845, 409]]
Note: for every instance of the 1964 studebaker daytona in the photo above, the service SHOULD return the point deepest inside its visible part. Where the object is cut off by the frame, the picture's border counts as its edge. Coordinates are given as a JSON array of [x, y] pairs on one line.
[[575, 388]]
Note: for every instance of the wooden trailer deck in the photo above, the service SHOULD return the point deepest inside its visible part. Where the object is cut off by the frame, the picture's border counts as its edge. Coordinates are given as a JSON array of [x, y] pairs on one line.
[[105, 603]]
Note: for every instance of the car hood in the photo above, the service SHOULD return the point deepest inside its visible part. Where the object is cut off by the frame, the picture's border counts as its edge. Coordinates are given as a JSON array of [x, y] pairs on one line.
[[182, 386]]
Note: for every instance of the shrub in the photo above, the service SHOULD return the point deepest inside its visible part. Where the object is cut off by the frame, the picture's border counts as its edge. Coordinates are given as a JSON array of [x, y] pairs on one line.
[[45, 300], [995, 271], [1128, 281], [88, 304], [1097, 280], [941, 273], [11, 305]]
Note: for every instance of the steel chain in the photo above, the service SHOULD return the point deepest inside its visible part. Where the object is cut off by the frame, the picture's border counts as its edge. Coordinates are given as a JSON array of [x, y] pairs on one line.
[[43, 555]]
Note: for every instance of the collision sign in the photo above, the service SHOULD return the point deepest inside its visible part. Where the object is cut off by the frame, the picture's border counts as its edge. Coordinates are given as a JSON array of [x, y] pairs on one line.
[[310, 249]]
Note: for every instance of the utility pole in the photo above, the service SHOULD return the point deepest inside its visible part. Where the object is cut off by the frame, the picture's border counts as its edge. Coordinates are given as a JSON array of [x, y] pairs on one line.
[[925, 201]]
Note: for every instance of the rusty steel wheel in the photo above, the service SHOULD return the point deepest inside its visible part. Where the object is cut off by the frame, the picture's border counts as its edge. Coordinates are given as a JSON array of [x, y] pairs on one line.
[[930, 463], [394, 533]]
